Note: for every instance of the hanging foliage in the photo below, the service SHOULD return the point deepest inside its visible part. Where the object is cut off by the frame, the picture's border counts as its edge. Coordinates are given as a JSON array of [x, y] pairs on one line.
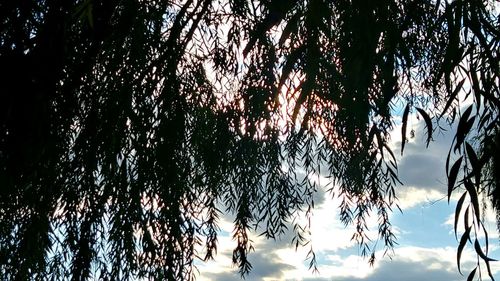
[[127, 128]]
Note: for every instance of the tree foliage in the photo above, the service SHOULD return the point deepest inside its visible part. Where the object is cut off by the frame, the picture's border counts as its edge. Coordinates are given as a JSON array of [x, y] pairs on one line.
[[128, 127]]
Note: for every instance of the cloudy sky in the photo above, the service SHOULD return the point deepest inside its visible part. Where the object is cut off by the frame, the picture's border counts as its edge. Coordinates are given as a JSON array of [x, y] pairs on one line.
[[427, 244]]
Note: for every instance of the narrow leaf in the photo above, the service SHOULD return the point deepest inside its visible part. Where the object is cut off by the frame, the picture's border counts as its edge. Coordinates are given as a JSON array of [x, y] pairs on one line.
[[291, 59], [473, 198], [291, 25], [474, 161], [403, 127], [303, 94], [466, 129], [457, 211], [486, 239], [371, 134], [489, 270], [452, 177], [463, 127], [452, 97], [472, 154], [428, 124], [471, 274], [461, 245], [466, 217], [447, 164], [480, 252], [393, 162]]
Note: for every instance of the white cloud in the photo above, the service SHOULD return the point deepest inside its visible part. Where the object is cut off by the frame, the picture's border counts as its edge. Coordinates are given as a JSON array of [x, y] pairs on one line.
[[409, 263], [410, 197]]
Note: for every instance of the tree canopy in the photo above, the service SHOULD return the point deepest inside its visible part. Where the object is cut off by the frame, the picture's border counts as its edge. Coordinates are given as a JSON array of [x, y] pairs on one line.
[[127, 127]]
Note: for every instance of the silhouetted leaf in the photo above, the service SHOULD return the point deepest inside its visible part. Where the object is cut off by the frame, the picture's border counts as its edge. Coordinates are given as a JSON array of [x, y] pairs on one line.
[[475, 164], [452, 97], [292, 59], [452, 176], [480, 252], [458, 208], [461, 245], [473, 198], [393, 157], [428, 124], [290, 26], [471, 274], [486, 238], [466, 216], [403, 127], [464, 126]]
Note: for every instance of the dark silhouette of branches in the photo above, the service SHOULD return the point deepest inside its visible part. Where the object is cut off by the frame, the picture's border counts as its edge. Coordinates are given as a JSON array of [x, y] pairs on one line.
[[128, 127]]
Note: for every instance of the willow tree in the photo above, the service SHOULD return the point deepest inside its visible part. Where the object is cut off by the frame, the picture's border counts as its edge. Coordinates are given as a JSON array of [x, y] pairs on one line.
[[128, 127]]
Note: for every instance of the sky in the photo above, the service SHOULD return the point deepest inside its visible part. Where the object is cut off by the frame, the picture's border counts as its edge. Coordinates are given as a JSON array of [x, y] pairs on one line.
[[426, 247]]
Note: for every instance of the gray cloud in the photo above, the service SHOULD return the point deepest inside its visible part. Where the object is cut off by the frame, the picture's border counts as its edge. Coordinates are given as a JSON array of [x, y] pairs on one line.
[[423, 170], [424, 167], [223, 276], [265, 265], [405, 270], [269, 266]]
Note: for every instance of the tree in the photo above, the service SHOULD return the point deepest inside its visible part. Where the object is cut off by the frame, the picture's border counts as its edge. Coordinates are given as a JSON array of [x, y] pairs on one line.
[[125, 125]]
